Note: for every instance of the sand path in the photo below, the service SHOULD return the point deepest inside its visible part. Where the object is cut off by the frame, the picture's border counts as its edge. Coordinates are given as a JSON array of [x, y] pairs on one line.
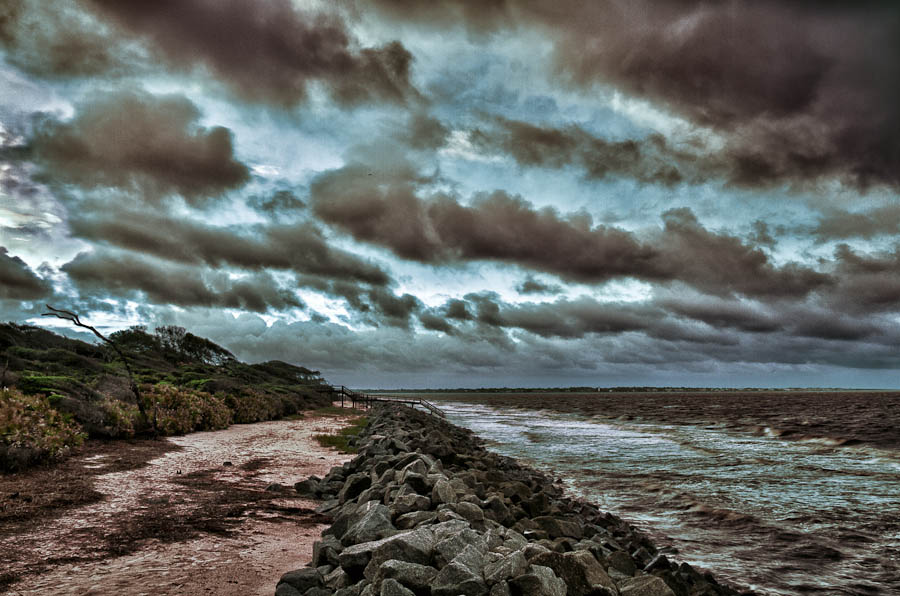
[[187, 522]]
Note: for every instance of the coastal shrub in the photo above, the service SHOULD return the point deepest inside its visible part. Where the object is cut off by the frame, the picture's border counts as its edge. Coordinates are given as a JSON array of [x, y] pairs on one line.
[[254, 406], [32, 431], [121, 420], [178, 410]]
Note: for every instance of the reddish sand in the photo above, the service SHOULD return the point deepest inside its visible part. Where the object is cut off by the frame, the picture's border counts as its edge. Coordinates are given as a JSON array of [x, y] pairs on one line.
[[185, 523]]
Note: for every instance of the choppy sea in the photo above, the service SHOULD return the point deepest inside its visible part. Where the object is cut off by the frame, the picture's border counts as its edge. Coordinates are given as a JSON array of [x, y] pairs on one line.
[[779, 493]]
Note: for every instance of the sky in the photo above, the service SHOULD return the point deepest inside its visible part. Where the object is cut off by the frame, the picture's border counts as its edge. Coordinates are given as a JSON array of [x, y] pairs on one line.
[[465, 193]]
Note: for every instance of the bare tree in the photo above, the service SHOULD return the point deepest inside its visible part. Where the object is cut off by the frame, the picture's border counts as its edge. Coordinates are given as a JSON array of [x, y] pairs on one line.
[[68, 315]]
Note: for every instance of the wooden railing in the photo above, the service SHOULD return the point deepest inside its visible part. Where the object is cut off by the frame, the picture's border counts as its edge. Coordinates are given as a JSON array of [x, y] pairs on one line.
[[365, 400]]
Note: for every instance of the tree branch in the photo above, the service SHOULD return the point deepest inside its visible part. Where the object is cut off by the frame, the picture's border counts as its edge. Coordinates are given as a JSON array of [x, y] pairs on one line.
[[70, 316]]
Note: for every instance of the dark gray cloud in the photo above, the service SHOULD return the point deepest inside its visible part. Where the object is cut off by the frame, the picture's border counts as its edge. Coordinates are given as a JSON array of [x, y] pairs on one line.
[[61, 40], [265, 52], [530, 285], [651, 160], [719, 263], [389, 211], [839, 224], [369, 304], [135, 141], [18, 281], [869, 283], [120, 274], [793, 105], [301, 247]]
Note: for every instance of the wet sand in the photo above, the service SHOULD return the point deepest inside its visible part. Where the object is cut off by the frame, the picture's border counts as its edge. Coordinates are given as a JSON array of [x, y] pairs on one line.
[[211, 513]]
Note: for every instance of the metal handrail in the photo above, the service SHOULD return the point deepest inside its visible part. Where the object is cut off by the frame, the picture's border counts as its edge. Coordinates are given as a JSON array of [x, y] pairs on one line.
[[367, 400]]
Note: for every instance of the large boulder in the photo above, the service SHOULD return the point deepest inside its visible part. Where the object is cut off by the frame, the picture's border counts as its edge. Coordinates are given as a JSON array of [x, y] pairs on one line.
[[447, 549], [458, 579], [443, 492], [414, 546], [353, 487], [414, 576], [537, 581], [580, 570], [303, 579], [374, 524], [558, 527], [645, 585], [391, 587], [512, 565]]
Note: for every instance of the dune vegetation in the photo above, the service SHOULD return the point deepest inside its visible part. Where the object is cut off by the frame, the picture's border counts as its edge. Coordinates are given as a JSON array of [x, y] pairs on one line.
[[58, 391]]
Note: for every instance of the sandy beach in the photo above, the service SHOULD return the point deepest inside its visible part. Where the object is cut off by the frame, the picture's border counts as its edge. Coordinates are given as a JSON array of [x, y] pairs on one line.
[[205, 513]]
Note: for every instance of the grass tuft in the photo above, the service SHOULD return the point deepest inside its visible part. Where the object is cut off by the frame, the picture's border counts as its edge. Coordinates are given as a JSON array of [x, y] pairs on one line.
[[341, 439]]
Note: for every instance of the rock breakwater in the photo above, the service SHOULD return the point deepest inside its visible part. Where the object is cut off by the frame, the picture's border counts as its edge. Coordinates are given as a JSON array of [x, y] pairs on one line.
[[425, 510]]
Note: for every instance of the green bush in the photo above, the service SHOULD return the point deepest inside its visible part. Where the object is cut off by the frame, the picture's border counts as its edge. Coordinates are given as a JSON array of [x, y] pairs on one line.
[[178, 411], [254, 406], [32, 431], [120, 419]]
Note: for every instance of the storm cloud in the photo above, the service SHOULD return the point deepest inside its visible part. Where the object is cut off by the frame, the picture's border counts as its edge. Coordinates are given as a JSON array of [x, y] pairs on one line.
[[792, 105], [499, 227], [125, 274], [301, 248], [18, 281], [135, 141], [264, 52]]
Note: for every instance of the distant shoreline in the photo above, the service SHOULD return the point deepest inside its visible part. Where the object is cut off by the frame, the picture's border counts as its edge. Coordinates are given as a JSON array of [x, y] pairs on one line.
[[636, 390]]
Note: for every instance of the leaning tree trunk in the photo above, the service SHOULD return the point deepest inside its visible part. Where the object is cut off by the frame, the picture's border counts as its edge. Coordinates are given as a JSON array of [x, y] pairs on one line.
[[73, 318]]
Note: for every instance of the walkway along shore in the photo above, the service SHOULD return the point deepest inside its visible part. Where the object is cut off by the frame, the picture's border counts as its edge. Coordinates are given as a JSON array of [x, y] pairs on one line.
[[425, 510]]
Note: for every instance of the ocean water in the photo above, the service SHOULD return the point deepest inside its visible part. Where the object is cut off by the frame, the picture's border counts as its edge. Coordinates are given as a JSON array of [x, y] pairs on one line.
[[782, 494]]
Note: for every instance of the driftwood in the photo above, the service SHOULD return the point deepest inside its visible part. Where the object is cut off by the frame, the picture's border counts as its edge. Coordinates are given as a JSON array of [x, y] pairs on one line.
[[70, 316]]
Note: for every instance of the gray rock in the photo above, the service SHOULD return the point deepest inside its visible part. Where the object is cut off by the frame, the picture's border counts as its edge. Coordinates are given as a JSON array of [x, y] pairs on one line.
[[302, 579], [286, 590], [307, 487], [351, 590], [516, 491], [328, 506], [326, 551], [496, 509], [391, 587], [660, 561], [413, 519], [456, 579], [409, 503], [581, 572], [418, 482], [557, 527], [318, 592], [533, 549], [508, 567], [622, 562], [514, 541], [469, 511], [414, 546], [337, 579], [500, 589], [447, 549], [645, 585], [373, 493], [538, 581], [374, 524], [443, 493], [412, 575]]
